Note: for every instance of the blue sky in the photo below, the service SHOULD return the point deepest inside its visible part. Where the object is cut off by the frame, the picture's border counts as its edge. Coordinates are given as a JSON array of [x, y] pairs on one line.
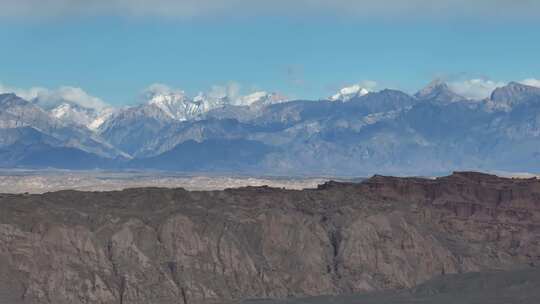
[[306, 55]]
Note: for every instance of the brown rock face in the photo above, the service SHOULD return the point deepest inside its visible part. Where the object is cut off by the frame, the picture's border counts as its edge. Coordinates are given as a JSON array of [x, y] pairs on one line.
[[173, 246]]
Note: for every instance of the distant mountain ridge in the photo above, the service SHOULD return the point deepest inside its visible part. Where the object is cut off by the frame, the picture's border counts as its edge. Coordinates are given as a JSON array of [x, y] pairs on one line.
[[17, 113], [438, 90], [356, 132]]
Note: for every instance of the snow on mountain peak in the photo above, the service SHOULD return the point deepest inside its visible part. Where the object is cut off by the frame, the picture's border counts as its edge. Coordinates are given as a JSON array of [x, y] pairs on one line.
[[348, 93], [210, 101], [75, 114], [254, 97], [174, 103], [177, 105], [100, 119], [162, 95], [261, 98]]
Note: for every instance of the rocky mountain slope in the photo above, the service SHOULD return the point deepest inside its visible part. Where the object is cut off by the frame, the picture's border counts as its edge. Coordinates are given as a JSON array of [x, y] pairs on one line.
[[154, 245], [24, 124]]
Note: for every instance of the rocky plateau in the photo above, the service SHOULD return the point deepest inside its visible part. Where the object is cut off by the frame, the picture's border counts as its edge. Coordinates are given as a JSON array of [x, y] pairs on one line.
[[158, 245]]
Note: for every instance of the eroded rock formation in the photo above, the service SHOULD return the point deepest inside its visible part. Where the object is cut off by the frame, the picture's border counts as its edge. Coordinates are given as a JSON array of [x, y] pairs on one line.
[[155, 245]]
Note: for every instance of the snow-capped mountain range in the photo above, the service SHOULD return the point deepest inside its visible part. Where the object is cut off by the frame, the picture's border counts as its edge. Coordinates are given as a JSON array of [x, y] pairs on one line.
[[175, 104], [72, 113], [180, 107], [357, 131]]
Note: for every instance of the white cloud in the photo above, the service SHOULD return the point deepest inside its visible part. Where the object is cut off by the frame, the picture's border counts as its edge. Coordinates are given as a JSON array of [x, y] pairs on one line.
[[27, 94], [475, 88], [195, 8], [161, 89], [369, 85], [50, 98], [479, 88], [531, 82], [230, 90], [72, 94]]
